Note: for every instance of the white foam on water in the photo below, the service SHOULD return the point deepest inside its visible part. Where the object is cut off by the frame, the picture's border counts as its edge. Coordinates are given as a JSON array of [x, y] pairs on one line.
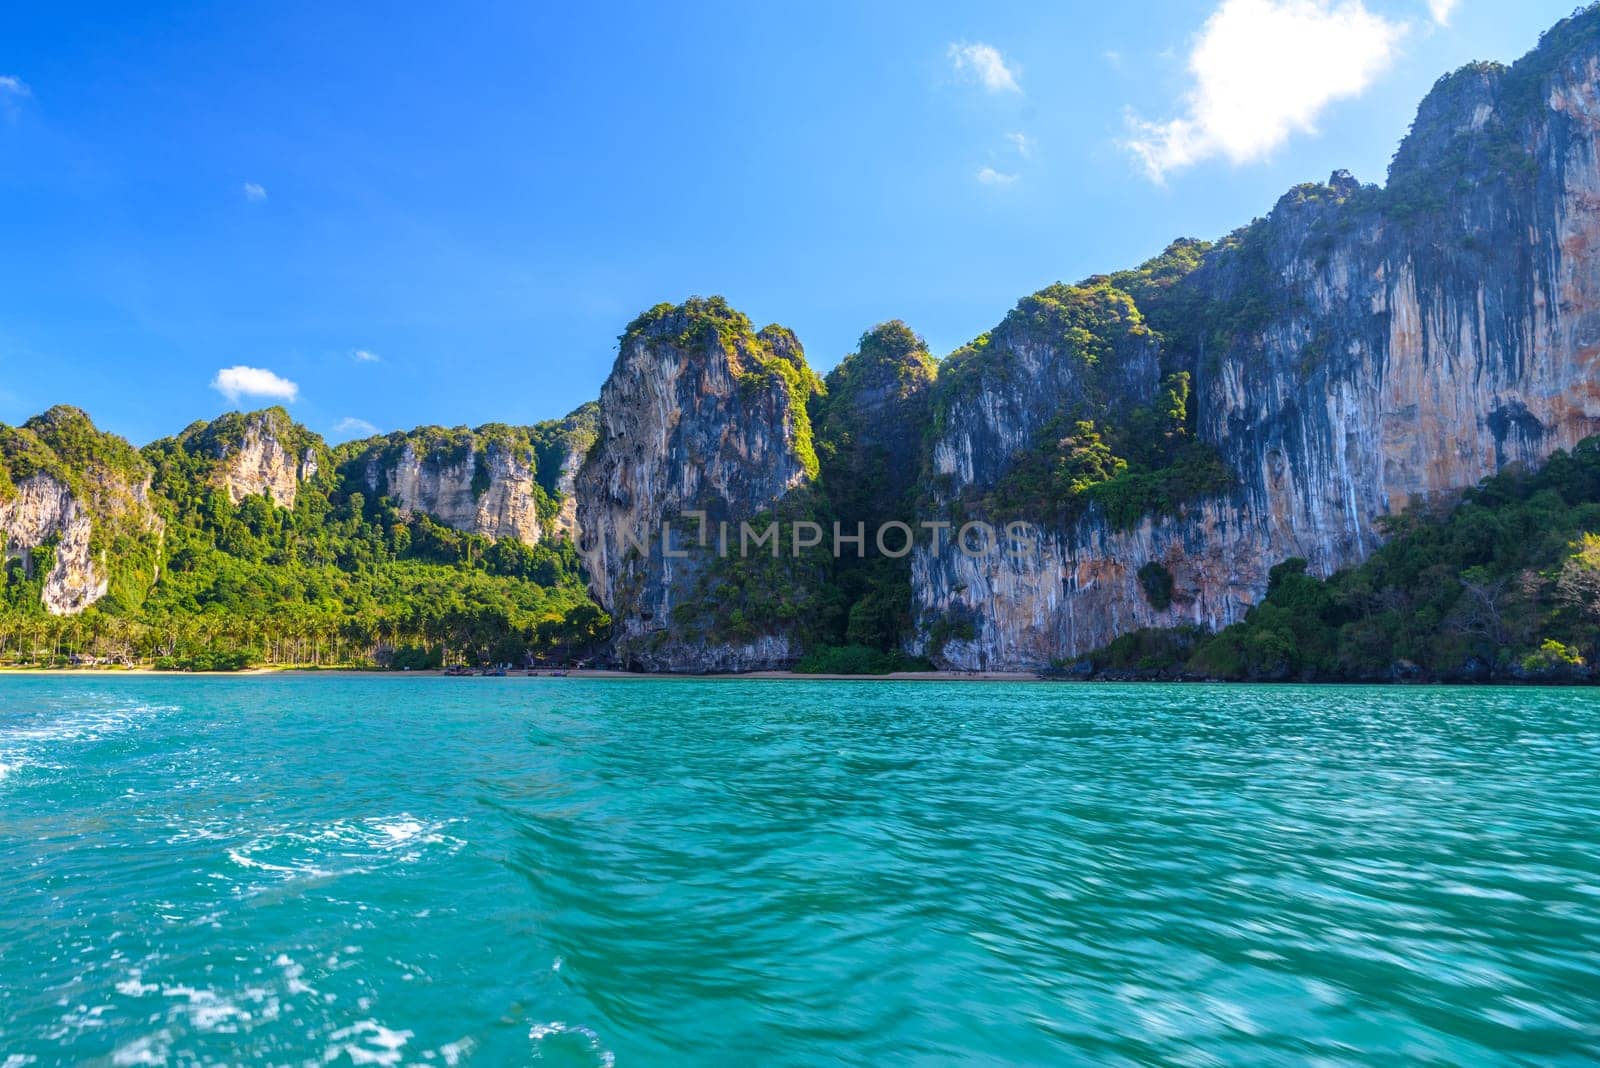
[[367, 1042], [539, 1032], [454, 1052], [134, 986], [204, 1009], [400, 830], [85, 724], [343, 847], [33, 743], [151, 1049], [292, 973]]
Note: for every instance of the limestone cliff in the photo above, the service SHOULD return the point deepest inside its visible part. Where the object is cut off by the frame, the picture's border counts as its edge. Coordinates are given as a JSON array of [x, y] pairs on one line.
[[700, 414], [264, 453], [75, 512], [481, 481], [1357, 351]]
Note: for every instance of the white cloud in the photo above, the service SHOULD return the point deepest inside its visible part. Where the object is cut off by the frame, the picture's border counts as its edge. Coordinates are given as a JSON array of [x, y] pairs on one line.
[[985, 64], [255, 191], [354, 427], [12, 90], [1113, 58], [990, 176], [1022, 143], [241, 381], [365, 356], [1441, 10], [1264, 69]]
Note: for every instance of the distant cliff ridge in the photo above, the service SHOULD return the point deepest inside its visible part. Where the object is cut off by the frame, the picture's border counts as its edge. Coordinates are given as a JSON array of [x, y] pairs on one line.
[[499, 481], [86, 507], [262, 454]]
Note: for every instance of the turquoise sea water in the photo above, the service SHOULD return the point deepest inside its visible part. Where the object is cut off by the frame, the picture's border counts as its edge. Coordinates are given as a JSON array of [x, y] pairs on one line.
[[580, 872]]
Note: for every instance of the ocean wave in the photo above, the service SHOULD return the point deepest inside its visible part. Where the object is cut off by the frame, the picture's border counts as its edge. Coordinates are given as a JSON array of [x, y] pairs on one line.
[[343, 847]]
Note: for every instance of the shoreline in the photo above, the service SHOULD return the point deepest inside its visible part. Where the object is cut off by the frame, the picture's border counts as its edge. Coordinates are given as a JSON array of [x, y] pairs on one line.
[[785, 676], [574, 673]]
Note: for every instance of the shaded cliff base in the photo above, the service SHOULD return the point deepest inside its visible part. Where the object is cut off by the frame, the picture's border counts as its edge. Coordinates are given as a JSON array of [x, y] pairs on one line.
[[1503, 587]]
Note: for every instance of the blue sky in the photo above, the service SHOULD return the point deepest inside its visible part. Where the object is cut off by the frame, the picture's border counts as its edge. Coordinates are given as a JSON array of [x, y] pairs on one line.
[[446, 214]]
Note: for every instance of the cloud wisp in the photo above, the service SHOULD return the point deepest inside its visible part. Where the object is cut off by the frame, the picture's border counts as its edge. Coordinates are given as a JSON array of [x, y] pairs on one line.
[[254, 191], [990, 176], [12, 90], [1441, 10], [366, 356], [1263, 70], [240, 381], [985, 65], [354, 427]]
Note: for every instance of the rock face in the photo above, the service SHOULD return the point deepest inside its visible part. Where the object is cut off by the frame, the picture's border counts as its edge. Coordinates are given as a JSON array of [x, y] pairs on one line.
[[263, 466], [566, 523], [1358, 351], [68, 487], [474, 481], [43, 511], [700, 414], [263, 453], [496, 480]]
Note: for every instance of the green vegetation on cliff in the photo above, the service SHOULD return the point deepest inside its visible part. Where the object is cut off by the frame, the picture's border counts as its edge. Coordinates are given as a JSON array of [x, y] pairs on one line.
[[555, 440], [871, 422], [1111, 442]]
